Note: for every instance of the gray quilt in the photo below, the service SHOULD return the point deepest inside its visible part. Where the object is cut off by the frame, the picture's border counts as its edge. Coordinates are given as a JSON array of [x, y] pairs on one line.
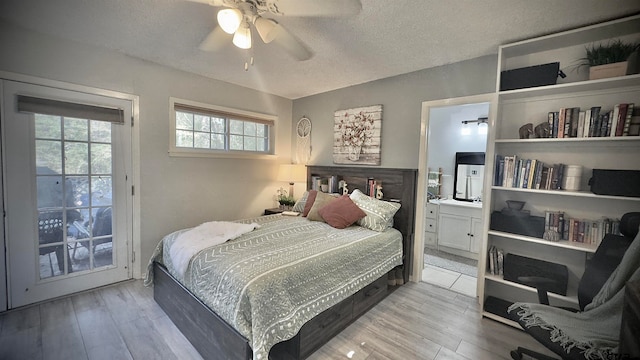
[[269, 282]]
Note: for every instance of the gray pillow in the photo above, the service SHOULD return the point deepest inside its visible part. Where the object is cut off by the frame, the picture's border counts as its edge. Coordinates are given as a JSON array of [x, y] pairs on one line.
[[379, 213]]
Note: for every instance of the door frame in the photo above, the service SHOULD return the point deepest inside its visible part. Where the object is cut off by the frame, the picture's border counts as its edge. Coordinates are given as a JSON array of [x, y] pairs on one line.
[[418, 245], [133, 202]]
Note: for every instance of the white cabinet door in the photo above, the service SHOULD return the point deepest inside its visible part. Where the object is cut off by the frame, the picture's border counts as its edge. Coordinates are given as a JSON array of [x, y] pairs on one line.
[[454, 231], [476, 235]]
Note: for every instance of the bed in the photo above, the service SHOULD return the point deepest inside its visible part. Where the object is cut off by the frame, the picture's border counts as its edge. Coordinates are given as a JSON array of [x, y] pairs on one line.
[[282, 290]]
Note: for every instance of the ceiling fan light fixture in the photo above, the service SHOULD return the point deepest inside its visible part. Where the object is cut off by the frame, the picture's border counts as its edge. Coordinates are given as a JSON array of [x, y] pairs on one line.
[[242, 37], [266, 29], [229, 20]]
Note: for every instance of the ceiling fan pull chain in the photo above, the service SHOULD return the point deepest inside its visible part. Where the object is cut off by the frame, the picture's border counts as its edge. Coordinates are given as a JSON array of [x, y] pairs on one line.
[[248, 62]]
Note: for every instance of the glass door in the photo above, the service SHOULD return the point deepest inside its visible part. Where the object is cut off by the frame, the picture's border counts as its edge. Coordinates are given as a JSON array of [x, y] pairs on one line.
[[66, 174]]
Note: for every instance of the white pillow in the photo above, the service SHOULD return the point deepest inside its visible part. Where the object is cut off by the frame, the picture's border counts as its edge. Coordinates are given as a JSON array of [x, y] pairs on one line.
[[379, 213], [299, 205]]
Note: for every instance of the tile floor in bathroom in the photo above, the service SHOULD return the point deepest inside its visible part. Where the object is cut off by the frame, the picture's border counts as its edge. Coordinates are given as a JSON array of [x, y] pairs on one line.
[[455, 281], [450, 271]]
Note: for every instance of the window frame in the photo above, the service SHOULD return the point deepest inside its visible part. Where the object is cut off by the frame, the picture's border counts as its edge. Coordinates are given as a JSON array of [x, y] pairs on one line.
[[227, 113]]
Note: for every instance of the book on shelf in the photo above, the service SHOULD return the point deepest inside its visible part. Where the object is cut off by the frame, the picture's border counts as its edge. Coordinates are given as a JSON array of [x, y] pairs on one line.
[[514, 172], [561, 122], [371, 186], [587, 123], [572, 122], [616, 120], [627, 121], [332, 184], [595, 122], [580, 230], [634, 123], [316, 181], [604, 123], [496, 261], [580, 130], [573, 125], [499, 170]]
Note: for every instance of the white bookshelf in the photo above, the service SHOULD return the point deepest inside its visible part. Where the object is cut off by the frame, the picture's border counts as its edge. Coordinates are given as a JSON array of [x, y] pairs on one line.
[[532, 105]]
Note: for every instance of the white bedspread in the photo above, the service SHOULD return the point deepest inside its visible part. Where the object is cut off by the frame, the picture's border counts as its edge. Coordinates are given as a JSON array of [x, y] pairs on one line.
[[203, 236]]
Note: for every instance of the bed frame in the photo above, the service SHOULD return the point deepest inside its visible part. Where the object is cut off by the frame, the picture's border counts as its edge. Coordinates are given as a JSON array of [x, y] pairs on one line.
[[215, 339]]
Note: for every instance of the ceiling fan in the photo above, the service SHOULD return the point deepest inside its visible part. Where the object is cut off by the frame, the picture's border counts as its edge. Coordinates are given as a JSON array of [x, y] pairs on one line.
[[236, 18]]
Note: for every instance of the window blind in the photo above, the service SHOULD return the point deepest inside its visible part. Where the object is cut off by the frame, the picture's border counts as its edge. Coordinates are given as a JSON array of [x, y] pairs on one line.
[[208, 112], [36, 105]]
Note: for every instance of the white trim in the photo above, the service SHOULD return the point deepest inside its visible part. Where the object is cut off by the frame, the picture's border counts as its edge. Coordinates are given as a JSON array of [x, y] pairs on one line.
[[188, 152], [134, 179], [421, 199]]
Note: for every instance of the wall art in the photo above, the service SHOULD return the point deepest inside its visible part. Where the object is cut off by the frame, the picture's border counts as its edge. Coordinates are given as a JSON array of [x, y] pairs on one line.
[[357, 136]]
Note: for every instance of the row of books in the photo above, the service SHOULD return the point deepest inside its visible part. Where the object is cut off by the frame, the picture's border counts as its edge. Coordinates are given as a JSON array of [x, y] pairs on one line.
[[514, 172], [495, 261], [332, 185], [580, 230], [622, 120], [330, 182], [372, 185]]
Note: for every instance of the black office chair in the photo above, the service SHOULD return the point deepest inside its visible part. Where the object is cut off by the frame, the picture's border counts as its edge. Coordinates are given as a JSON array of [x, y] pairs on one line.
[[610, 255]]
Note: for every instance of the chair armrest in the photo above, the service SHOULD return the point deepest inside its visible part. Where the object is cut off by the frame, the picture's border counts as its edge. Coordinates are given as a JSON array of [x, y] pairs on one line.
[[541, 284]]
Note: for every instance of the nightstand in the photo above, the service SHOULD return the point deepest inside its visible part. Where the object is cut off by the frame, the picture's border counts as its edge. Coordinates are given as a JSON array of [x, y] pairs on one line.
[[273, 211]]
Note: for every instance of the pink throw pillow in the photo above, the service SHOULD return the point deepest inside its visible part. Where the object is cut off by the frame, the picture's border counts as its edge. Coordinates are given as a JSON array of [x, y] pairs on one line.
[[341, 213]]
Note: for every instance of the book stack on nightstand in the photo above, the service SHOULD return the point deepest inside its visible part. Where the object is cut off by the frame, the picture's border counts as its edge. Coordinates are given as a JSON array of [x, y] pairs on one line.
[[273, 211]]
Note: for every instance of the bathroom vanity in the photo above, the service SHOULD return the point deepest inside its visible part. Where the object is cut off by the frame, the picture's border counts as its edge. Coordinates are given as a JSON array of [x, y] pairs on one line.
[[460, 227]]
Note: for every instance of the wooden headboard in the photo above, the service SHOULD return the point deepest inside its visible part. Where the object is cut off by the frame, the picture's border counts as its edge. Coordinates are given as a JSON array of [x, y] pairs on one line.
[[397, 185]]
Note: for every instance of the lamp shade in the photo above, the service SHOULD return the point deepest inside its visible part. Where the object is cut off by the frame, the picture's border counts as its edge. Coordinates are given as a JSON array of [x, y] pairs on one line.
[[266, 29], [292, 173], [242, 37], [229, 20]]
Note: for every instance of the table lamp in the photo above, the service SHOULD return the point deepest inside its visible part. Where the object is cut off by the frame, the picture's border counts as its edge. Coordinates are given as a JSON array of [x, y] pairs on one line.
[[292, 173]]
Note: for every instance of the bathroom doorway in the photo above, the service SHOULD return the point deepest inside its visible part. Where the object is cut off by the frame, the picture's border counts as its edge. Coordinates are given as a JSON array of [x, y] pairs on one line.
[[451, 234]]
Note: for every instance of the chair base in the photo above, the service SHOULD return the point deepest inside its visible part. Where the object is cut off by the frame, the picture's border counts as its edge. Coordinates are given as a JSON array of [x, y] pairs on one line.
[[517, 354]]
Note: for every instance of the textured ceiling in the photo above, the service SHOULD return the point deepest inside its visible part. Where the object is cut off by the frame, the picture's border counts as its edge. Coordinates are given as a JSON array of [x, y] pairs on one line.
[[386, 38]]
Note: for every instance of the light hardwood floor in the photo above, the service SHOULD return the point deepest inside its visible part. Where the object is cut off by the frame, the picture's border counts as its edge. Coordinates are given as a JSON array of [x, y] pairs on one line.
[[417, 321]]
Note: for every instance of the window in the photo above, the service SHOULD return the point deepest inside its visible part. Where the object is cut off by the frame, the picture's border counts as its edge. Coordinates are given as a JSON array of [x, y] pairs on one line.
[[206, 130]]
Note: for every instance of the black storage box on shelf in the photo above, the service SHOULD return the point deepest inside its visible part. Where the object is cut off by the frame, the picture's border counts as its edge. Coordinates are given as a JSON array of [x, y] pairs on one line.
[[521, 224], [615, 182], [531, 76], [516, 266]]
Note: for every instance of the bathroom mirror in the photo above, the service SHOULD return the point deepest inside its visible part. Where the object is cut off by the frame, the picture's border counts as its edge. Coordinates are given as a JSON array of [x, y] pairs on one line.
[[469, 175]]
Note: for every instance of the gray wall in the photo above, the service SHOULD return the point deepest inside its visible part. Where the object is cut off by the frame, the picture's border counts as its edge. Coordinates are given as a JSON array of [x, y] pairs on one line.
[[401, 97], [175, 192]]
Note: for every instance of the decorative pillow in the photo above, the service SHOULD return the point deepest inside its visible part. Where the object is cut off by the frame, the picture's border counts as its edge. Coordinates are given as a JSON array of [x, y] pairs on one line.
[[379, 213], [311, 198], [321, 200], [299, 206], [341, 213]]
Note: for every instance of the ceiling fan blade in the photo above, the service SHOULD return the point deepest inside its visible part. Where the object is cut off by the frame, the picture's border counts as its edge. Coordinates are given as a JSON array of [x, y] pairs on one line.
[[314, 7], [215, 40], [290, 43], [211, 2]]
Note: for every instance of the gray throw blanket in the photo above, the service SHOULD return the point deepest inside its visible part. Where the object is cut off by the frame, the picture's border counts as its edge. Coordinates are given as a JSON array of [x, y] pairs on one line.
[[596, 330]]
